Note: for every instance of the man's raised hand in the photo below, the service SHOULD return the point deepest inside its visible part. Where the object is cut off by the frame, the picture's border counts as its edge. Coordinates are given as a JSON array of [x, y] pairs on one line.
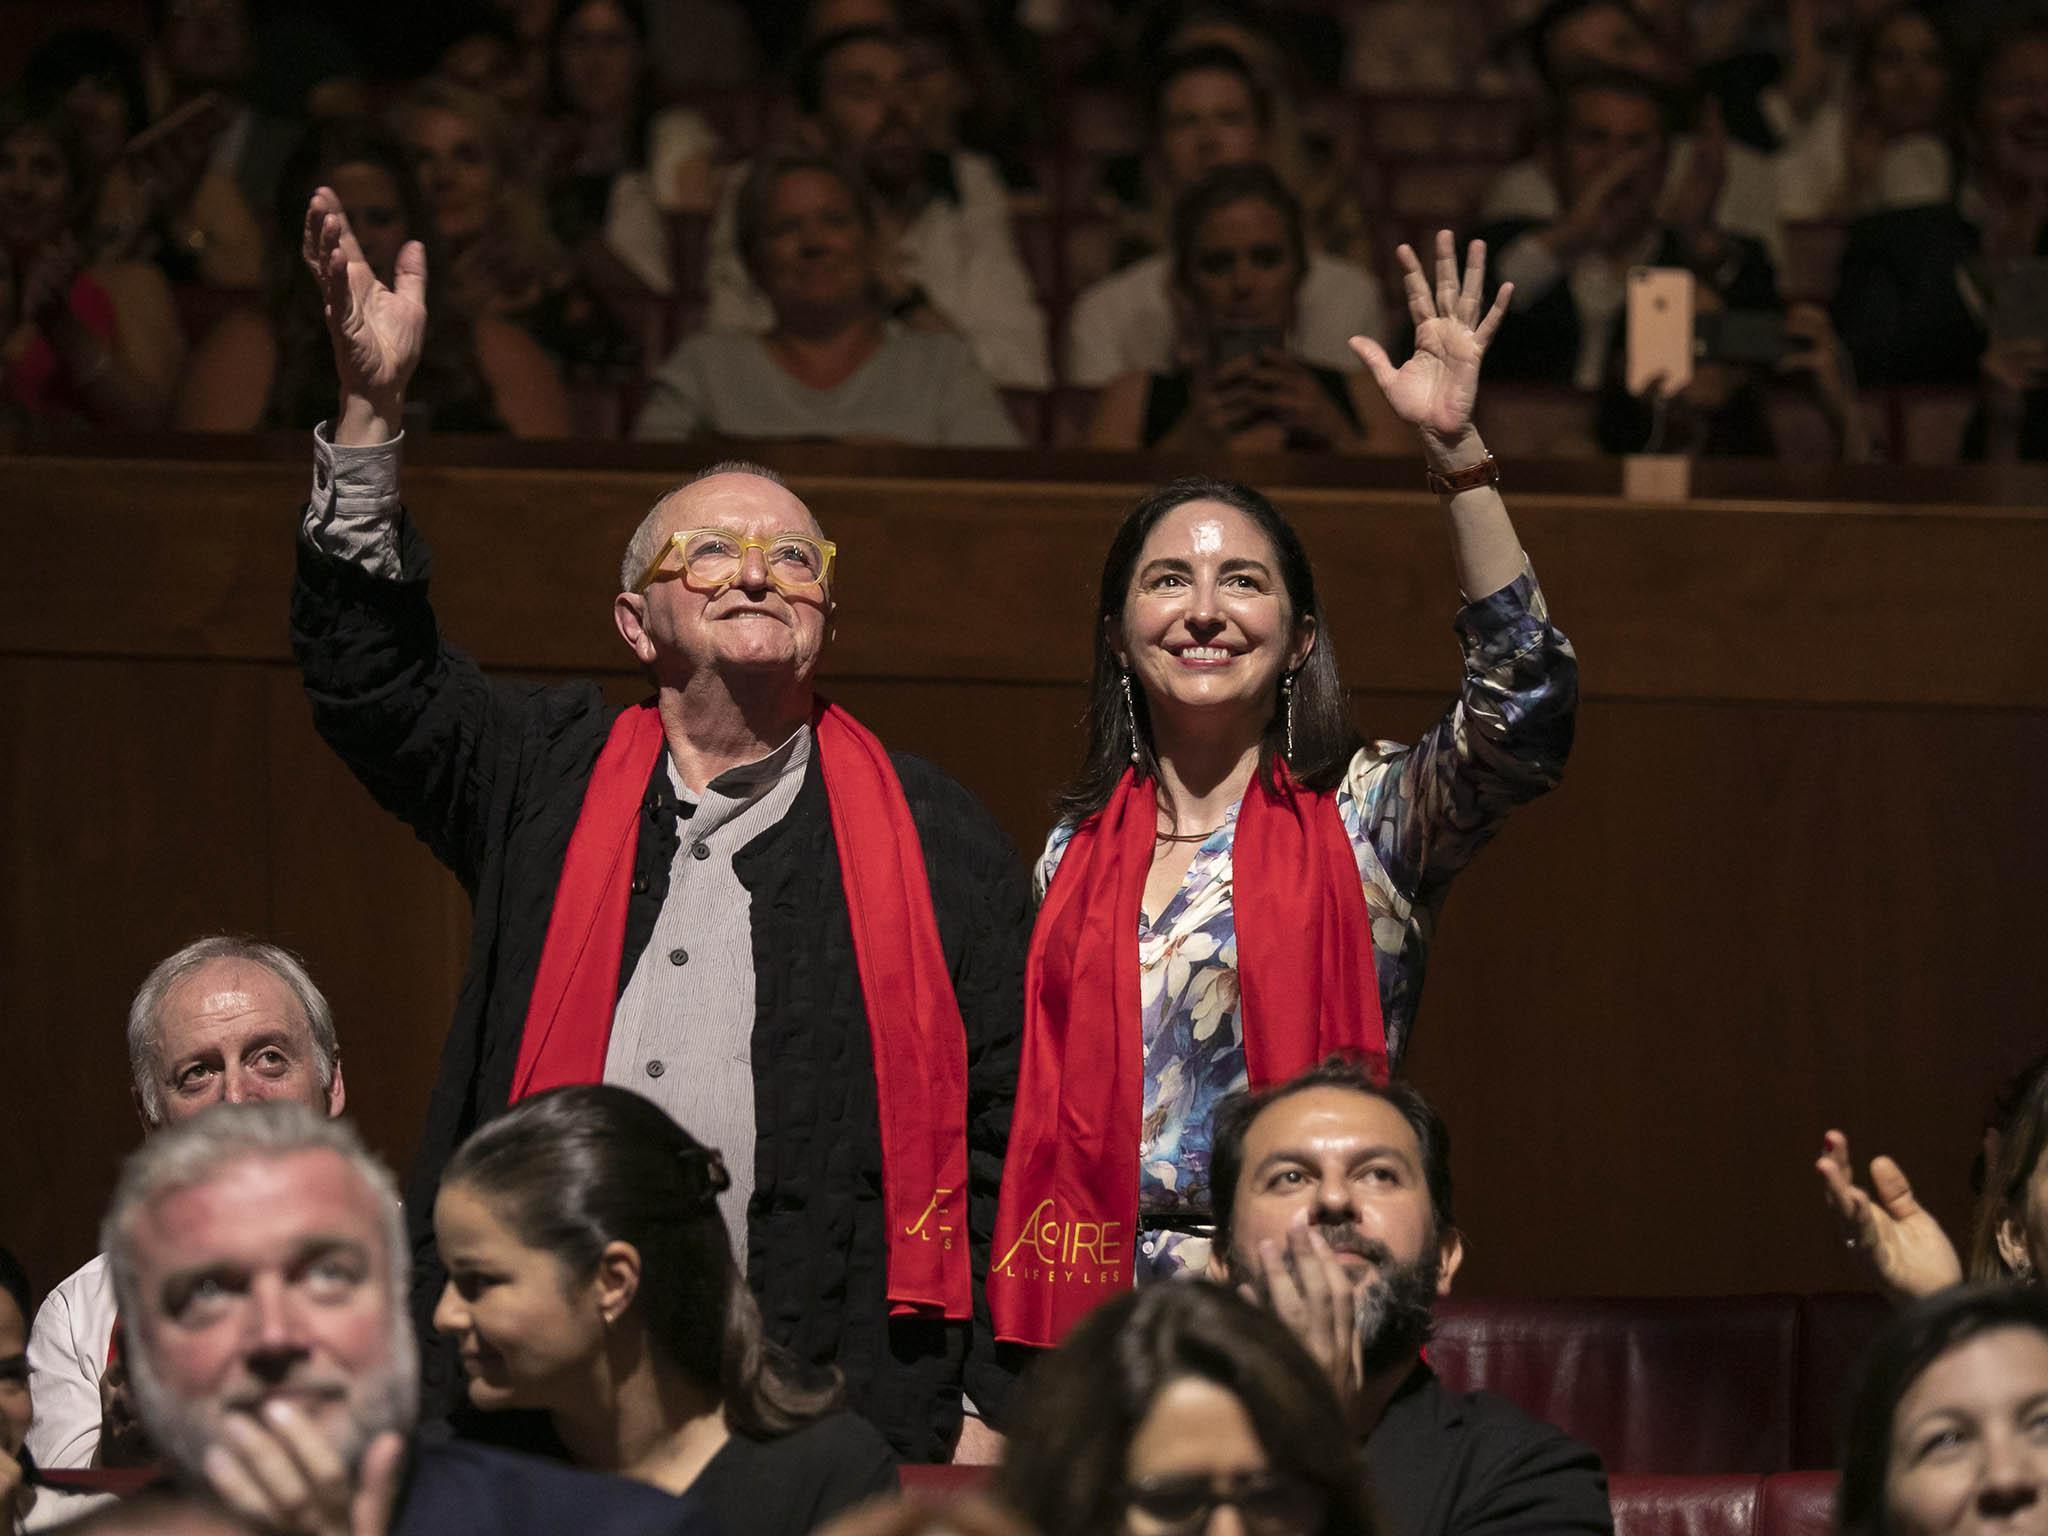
[[377, 331]]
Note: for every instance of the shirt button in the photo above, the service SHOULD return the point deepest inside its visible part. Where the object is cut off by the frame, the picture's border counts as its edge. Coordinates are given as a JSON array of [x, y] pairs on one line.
[[639, 885], [655, 1068], [699, 851], [679, 957]]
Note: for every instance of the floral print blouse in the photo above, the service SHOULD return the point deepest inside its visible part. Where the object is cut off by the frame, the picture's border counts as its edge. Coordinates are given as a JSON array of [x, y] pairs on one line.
[[1416, 816]]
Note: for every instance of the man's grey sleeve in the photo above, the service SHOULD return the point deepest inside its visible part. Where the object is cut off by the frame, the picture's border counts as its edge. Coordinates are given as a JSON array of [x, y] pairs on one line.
[[352, 514]]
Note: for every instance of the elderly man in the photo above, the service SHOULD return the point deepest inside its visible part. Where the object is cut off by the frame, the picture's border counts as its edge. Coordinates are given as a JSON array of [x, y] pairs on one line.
[[951, 261], [223, 1021], [260, 1260], [731, 899], [1333, 1208]]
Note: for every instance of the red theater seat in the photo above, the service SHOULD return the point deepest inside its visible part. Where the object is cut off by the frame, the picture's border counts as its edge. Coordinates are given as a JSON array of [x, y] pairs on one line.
[[1666, 1385], [1797, 1504], [1685, 1506]]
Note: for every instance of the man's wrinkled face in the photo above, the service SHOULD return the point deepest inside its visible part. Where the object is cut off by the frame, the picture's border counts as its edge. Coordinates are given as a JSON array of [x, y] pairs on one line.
[[268, 1282], [1349, 1165], [678, 628], [231, 1033]]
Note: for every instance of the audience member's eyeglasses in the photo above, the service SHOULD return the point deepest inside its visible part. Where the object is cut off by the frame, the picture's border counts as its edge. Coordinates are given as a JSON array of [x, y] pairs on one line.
[[713, 557], [1269, 1503]]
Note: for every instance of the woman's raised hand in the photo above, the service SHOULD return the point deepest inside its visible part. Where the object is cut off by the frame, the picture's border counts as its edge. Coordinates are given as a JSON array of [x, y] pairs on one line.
[[377, 331], [1904, 1244], [1434, 391]]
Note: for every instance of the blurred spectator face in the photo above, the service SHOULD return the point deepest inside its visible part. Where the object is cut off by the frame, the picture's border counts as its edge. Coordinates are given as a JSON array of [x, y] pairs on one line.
[[455, 169], [813, 252], [600, 60], [232, 1033], [1601, 127], [2012, 117], [1198, 1436], [15, 1410], [205, 43], [1607, 37], [35, 189], [1242, 269], [1908, 86], [97, 106], [269, 1280], [375, 207], [870, 111], [938, 91], [1969, 1446], [828, 16], [486, 63], [1207, 118]]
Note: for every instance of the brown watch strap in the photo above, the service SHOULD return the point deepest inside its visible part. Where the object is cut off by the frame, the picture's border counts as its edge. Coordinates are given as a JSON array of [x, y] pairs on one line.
[[1485, 472]]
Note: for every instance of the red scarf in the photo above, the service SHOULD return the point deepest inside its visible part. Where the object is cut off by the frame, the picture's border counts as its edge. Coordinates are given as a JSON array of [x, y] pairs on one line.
[[1068, 1214], [919, 1041]]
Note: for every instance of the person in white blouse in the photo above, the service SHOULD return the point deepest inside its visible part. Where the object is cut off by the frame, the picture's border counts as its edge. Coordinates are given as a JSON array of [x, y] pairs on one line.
[[223, 1020], [953, 263]]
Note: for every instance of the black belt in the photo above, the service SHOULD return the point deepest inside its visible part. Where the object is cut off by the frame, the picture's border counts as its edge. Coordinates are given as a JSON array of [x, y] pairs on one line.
[[1193, 1223]]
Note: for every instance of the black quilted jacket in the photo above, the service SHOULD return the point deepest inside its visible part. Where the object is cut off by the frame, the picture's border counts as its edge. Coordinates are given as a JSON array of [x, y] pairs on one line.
[[491, 776]]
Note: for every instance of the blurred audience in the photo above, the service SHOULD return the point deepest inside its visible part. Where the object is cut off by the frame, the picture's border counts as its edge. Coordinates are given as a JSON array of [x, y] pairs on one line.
[[946, 259], [17, 1493], [1239, 259], [1166, 1406], [483, 51], [1609, 157], [1946, 1426], [1209, 109], [1881, 137], [223, 1020], [590, 1278], [498, 257], [1900, 1239], [1958, 293], [81, 341], [837, 362], [1333, 1212], [271, 368]]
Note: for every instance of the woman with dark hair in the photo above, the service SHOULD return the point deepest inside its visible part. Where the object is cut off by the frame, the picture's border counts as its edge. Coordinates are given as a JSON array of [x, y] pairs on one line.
[[81, 340], [834, 365], [1239, 257], [1948, 1430], [1165, 1405], [1238, 885], [1905, 1246], [590, 1277], [273, 368]]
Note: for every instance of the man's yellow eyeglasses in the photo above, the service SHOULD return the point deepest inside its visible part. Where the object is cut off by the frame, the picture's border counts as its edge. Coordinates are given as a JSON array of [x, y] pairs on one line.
[[714, 557]]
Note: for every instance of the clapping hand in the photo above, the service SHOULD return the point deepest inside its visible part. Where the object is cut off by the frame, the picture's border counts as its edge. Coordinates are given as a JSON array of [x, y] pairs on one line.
[[1905, 1245], [1435, 390], [377, 332]]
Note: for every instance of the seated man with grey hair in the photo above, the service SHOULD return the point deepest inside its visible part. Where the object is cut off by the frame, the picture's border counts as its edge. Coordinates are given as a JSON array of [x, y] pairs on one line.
[[224, 1020], [260, 1259], [731, 898]]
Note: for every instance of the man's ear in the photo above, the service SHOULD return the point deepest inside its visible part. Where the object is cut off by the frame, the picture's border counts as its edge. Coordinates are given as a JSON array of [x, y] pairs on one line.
[[1219, 1264], [1450, 1256], [337, 1091], [629, 613], [618, 1279]]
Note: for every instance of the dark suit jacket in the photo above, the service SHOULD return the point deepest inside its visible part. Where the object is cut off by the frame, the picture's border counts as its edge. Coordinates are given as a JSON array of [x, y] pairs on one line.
[[1472, 1464]]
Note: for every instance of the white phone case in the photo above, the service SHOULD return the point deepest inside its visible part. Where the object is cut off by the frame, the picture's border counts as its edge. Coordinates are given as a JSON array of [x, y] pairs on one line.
[[1660, 340]]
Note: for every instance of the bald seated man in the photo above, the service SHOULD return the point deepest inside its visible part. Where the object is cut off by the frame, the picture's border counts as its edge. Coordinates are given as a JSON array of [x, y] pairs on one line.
[[225, 1020], [730, 899]]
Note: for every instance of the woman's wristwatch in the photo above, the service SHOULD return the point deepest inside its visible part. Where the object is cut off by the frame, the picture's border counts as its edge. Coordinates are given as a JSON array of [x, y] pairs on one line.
[[1485, 472]]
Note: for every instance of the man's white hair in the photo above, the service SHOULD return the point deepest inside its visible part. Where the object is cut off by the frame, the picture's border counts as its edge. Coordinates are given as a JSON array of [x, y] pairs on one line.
[[194, 1152], [647, 537], [145, 1012]]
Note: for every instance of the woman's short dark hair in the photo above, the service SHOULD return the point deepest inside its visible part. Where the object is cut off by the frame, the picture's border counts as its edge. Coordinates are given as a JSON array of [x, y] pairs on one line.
[[64, 58], [756, 202], [1223, 187], [1067, 1460], [1908, 1345], [574, 1169], [1208, 58], [1324, 738], [1232, 1123]]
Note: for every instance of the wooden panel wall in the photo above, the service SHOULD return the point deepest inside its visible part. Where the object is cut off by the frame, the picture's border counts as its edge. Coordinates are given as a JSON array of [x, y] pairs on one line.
[[1794, 876]]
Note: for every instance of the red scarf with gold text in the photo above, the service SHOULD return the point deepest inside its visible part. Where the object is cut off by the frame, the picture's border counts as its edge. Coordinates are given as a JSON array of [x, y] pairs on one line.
[[1068, 1214], [914, 1024]]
